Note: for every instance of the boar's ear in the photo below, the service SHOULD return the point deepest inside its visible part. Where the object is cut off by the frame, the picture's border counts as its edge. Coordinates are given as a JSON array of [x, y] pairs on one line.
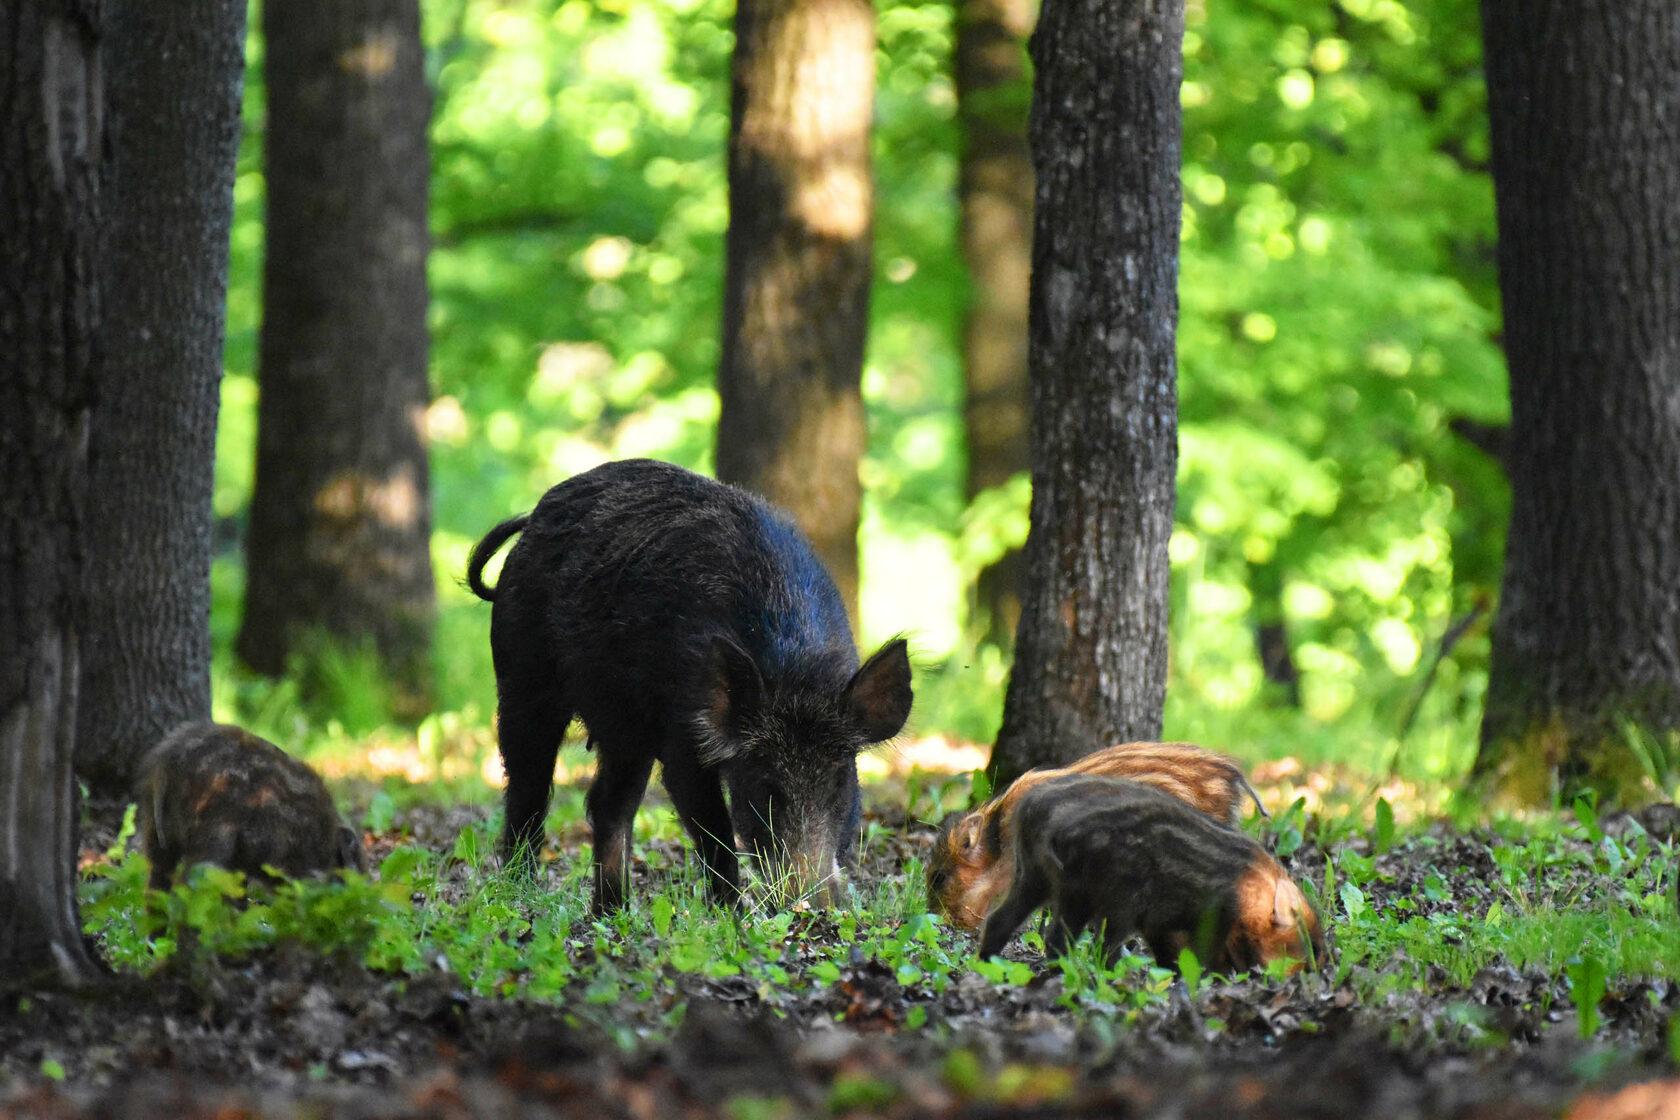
[[733, 691], [968, 833], [879, 693]]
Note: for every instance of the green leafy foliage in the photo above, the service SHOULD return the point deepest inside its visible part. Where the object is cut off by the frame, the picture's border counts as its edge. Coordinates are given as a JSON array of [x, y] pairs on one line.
[[1338, 315]]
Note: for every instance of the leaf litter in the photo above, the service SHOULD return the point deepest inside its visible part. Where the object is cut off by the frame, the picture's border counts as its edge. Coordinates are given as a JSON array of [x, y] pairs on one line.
[[291, 1031]]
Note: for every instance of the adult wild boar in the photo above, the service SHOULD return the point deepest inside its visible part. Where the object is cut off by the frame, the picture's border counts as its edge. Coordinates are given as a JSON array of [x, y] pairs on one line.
[[214, 793], [688, 623]]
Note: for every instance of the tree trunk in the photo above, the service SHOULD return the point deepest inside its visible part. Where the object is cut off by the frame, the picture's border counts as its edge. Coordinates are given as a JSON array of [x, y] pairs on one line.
[[1585, 112], [1091, 654], [796, 286], [174, 92], [51, 137], [341, 512], [996, 189], [1282, 681]]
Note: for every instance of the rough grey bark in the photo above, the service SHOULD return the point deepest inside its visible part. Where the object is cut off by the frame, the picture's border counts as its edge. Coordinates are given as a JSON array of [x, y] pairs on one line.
[[174, 92], [996, 190], [1091, 653], [51, 134], [797, 270], [1585, 112], [341, 510]]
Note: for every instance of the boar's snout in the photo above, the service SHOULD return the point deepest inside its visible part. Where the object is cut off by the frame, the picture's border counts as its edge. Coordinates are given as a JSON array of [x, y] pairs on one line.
[[797, 854]]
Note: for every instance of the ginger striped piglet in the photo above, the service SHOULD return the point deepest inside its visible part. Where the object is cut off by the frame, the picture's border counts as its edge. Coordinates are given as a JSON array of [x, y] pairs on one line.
[[971, 864]]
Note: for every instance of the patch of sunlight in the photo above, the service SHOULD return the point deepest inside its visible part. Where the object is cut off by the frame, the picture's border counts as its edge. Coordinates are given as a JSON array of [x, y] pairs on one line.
[[910, 584], [606, 257], [1295, 89], [503, 431], [1398, 644], [1307, 600], [1214, 598], [1330, 55], [1314, 235], [662, 425]]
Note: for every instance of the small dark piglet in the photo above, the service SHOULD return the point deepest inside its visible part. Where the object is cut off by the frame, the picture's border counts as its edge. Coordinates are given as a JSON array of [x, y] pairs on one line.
[[1126, 858], [688, 623], [212, 793], [971, 863]]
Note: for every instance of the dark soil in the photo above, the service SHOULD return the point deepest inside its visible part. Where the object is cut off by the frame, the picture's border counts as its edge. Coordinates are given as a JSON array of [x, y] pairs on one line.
[[293, 1033]]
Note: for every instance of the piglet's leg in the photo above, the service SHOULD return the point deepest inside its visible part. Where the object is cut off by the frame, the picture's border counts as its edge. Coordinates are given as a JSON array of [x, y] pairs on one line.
[[1071, 915], [620, 781], [1026, 894]]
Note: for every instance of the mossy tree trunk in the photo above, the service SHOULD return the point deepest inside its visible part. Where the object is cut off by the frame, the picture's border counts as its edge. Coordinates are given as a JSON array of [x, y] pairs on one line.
[[174, 96], [1091, 653], [996, 189], [1585, 109], [341, 512], [797, 270], [52, 133]]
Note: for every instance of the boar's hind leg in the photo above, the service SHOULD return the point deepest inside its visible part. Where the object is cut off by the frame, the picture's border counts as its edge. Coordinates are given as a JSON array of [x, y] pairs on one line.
[[529, 731], [697, 795], [620, 781]]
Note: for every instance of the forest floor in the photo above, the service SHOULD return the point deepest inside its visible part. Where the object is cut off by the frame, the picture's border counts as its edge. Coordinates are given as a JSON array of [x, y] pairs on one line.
[[291, 1031]]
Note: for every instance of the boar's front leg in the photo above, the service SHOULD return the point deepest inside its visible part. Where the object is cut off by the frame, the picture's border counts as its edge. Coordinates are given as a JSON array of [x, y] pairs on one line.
[[1027, 893], [620, 781], [697, 795]]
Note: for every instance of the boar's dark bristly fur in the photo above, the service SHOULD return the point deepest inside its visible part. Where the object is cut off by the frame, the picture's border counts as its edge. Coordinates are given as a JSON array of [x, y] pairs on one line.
[[1126, 858], [213, 793], [685, 622]]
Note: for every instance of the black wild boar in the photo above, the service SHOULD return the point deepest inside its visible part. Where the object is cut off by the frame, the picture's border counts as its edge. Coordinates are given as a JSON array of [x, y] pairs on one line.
[[212, 793], [971, 863], [686, 622], [1128, 858]]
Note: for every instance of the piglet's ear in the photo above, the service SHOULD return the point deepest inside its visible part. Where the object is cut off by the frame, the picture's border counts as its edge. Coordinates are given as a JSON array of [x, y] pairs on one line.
[[351, 853], [1288, 905], [879, 693], [733, 692]]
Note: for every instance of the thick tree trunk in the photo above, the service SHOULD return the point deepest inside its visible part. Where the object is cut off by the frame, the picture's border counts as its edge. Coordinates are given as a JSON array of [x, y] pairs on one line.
[[174, 92], [1585, 109], [51, 136], [1091, 654], [996, 187], [796, 287], [341, 512]]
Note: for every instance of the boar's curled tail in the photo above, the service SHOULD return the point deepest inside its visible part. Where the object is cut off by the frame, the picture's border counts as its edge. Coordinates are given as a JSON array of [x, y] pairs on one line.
[[492, 542]]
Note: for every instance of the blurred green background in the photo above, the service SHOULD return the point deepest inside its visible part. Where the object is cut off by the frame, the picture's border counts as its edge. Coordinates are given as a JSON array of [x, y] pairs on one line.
[[1338, 311]]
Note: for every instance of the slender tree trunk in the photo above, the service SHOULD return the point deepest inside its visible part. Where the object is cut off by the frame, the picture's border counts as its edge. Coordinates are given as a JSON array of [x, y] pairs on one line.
[[1091, 654], [174, 92], [51, 135], [341, 512], [1585, 107], [796, 287], [1271, 635], [996, 186]]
